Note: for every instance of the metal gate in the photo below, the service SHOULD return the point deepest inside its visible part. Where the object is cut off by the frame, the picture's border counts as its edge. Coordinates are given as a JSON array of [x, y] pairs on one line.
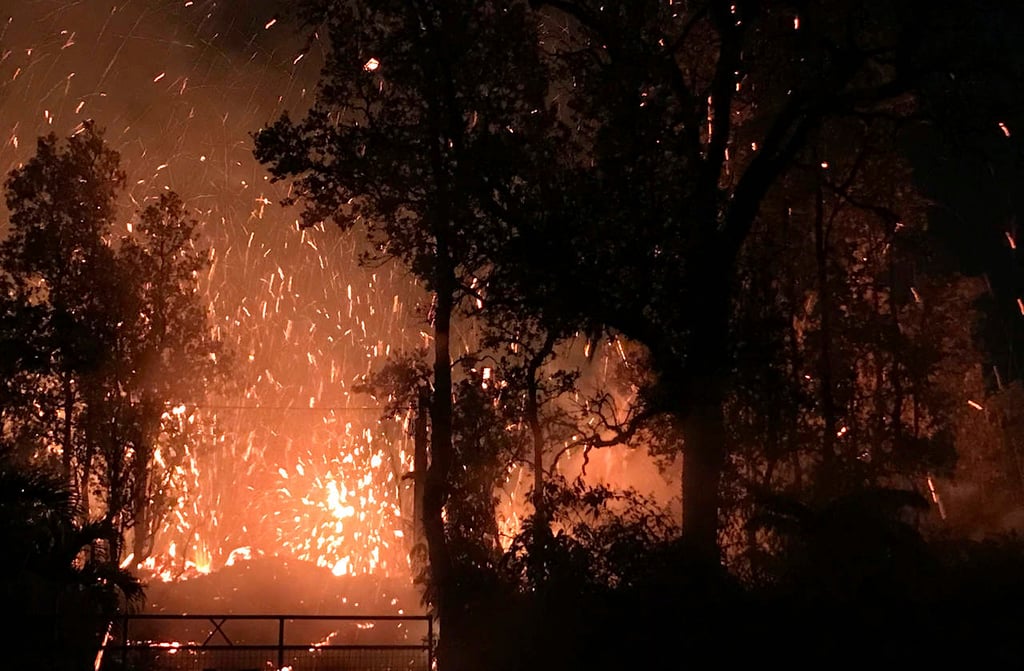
[[269, 643]]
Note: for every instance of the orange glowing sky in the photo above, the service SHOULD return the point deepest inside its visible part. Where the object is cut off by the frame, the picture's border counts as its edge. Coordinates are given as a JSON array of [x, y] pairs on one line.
[[180, 86]]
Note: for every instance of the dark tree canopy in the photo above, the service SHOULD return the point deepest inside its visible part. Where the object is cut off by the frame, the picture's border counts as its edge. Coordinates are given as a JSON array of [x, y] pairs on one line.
[[726, 186], [107, 332]]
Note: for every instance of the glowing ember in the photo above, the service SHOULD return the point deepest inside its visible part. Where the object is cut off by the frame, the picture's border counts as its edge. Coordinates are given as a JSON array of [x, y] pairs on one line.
[[286, 461]]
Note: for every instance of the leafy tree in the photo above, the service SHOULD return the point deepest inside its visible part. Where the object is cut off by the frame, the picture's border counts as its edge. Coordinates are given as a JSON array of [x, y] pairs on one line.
[[166, 356], [685, 117], [55, 568], [110, 334], [59, 263], [867, 334], [608, 169], [22, 364], [416, 123]]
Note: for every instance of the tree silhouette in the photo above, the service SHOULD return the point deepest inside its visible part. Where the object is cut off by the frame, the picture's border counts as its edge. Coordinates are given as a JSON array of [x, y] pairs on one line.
[[62, 204], [166, 354], [608, 169], [107, 334], [416, 122], [685, 118], [56, 568]]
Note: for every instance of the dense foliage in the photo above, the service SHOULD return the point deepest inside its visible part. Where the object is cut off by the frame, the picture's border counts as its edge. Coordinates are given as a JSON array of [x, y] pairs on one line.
[[104, 334], [726, 195], [703, 231]]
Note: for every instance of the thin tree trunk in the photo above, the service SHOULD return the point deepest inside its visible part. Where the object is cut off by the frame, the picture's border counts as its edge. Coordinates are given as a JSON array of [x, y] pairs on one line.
[[897, 350], [419, 464], [881, 412], [67, 448], [90, 450], [791, 411], [142, 515], [827, 398], [541, 522]]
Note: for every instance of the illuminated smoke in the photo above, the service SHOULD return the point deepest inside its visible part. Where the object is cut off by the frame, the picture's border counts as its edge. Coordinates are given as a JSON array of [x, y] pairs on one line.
[[179, 87], [290, 462]]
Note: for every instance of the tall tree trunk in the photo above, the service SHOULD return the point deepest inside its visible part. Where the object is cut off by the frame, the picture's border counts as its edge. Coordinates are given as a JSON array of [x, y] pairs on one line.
[[419, 464], [142, 513], [436, 487], [702, 382], [445, 126], [896, 343], [541, 522], [540, 515], [90, 451], [703, 461], [791, 411]]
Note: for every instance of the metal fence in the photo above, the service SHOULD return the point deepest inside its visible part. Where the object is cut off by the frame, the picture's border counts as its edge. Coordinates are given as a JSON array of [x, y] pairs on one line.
[[270, 643]]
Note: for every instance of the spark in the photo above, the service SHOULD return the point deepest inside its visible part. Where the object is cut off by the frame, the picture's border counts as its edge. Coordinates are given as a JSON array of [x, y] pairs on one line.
[[935, 497], [307, 475]]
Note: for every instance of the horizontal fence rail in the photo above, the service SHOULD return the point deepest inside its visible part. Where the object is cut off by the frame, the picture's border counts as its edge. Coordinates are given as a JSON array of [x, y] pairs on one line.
[[221, 642]]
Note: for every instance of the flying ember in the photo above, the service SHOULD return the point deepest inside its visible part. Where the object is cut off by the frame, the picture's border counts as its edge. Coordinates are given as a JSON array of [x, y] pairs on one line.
[[285, 460]]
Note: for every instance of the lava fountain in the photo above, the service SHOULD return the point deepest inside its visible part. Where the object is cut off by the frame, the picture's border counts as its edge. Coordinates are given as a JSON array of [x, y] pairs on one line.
[[287, 462]]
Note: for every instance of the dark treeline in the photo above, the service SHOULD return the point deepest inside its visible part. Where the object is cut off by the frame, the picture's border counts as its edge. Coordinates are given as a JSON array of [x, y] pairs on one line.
[[773, 223], [742, 200], [102, 335]]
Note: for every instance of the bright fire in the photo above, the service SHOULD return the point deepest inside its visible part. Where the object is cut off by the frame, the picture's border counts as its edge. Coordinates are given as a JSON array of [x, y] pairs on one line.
[[289, 461]]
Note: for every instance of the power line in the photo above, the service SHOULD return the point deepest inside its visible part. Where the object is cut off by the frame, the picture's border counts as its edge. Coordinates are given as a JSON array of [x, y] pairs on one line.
[[287, 408]]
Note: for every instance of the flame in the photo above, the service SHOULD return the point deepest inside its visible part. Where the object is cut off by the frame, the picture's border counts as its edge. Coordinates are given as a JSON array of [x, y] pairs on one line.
[[290, 462]]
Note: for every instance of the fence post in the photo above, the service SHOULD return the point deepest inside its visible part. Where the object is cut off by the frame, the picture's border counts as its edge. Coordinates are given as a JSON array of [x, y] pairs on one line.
[[280, 643], [124, 641], [430, 642]]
